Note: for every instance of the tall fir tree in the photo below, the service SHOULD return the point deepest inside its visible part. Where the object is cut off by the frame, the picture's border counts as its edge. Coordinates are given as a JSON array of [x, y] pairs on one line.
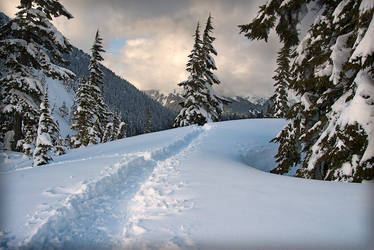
[[102, 115], [332, 73], [200, 104], [48, 141], [83, 115], [92, 117], [279, 101], [215, 103], [26, 44], [191, 112]]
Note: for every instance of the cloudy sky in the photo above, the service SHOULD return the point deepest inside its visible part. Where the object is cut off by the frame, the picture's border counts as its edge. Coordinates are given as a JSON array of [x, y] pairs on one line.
[[147, 41]]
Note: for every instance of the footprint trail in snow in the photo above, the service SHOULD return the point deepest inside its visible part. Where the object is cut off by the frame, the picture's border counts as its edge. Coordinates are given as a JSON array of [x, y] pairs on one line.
[[113, 206], [158, 199]]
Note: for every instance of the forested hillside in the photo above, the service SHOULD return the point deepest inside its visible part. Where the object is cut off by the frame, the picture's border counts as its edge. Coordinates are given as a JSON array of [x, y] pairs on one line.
[[119, 94], [123, 97]]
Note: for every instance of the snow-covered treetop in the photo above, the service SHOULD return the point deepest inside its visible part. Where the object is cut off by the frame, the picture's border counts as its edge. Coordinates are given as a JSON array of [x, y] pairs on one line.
[[32, 34], [194, 63], [96, 74], [49, 7], [97, 47], [284, 15], [207, 38]]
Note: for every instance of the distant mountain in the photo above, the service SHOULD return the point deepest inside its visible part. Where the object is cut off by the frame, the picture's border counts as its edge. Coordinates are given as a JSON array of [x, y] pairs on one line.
[[257, 100], [119, 94], [243, 107], [170, 100], [240, 107]]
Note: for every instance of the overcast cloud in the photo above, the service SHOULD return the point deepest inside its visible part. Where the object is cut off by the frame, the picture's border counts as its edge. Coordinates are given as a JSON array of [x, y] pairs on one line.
[[156, 37]]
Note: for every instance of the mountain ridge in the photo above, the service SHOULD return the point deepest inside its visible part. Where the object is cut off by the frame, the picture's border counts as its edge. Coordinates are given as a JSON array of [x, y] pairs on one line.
[[240, 107]]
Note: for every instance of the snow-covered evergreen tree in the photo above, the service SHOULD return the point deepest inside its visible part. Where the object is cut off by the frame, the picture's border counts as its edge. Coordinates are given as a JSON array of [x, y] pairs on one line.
[[68, 142], [200, 104], [122, 130], [108, 132], [92, 119], [115, 131], [279, 101], [26, 44], [64, 111], [192, 112], [215, 103], [102, 115], [48, 141], [43, 150], [83, 115], [333, 75]]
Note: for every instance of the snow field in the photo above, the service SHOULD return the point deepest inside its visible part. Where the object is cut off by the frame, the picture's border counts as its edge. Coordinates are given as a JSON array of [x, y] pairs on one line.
[[231, 203], [188, 188]]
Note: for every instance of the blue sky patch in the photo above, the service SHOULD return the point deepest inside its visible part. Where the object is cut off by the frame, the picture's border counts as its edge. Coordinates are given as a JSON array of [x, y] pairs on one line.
[[116, 44]]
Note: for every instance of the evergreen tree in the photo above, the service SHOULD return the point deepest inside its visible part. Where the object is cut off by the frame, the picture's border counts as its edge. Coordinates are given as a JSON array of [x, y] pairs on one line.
[[331, 73], [43, 151], [192, 88], [96, 132], [279, 106], [115, 131], [108, 132], [121, 130], [48, 139], [64, 111], [200, 104], [24, 42], [83, 115], [68, 142], [60, 146], [214, 104], [148, 122], [100, 110]]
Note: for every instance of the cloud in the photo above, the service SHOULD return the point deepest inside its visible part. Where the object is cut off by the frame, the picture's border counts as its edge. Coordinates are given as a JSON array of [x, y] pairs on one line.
[[9, 7], [153, 62], [157, 37], [158, 60]]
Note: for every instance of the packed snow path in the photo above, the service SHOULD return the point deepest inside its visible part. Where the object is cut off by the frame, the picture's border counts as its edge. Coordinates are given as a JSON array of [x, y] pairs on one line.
[[195, 187]]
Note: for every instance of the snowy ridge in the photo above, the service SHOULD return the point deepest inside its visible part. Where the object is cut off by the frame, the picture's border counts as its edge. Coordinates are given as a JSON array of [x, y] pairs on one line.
[[76, 222]]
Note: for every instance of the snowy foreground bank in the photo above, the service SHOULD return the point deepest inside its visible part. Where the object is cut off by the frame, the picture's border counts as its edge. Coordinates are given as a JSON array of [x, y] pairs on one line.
[[196, 187]]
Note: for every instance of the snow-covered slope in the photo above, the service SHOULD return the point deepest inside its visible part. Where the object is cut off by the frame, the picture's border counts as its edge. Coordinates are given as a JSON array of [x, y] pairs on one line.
[[58, 95], [193, 187]]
